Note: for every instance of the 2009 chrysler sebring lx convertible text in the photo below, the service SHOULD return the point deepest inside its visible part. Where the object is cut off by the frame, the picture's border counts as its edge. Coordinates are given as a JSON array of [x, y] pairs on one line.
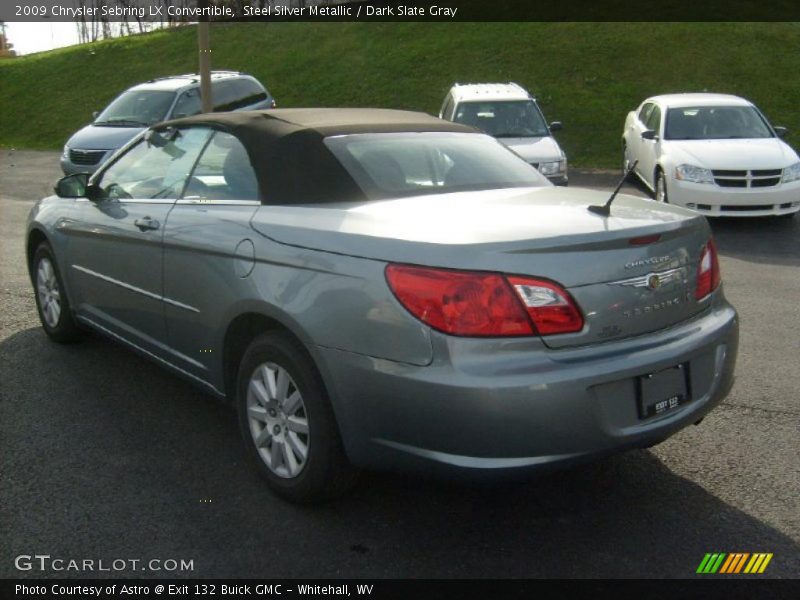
[[385, 289]]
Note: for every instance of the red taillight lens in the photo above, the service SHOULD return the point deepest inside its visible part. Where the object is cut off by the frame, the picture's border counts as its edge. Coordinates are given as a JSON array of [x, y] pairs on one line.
[[549, 306], [483, 304], [708, 275], [459, 302]]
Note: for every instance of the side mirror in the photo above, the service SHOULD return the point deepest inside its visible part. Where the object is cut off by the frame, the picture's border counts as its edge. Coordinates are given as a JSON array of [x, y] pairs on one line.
[[781, 131], [556, 126], [72, 186], [649, 134], [95, 114]]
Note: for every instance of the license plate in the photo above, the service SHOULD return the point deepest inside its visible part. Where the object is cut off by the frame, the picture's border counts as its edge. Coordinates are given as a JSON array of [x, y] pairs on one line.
[[664, 391]]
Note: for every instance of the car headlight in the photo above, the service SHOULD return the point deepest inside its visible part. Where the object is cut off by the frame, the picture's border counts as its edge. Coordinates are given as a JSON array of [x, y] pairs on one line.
[[791, 173], [694, 174], [552, 168], [65, 152]]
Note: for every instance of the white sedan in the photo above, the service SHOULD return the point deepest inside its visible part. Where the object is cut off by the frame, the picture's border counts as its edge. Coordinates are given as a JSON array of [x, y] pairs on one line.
[[713, 153]]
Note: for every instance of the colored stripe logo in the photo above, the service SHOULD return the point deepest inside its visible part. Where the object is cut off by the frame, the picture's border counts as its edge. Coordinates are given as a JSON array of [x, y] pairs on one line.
[[734, 563]]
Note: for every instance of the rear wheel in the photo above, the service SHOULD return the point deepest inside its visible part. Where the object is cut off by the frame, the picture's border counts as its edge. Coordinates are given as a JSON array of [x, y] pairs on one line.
[[661, 187], [51, 300], [288, 424]]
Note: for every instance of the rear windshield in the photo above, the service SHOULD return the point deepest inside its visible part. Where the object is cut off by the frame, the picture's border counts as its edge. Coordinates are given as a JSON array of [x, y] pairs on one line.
[[137, 108], [390, 165], [715, 123], [504, 119]]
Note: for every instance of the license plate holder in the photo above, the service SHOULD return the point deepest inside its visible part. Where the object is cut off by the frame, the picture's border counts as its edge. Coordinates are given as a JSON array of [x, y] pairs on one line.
[[663, 392]]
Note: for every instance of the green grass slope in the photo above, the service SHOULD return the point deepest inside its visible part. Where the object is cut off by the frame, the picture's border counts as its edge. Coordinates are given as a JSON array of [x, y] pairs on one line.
[[588, 75]]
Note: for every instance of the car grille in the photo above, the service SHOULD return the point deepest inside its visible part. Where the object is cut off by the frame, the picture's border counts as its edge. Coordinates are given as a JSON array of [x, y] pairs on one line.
[[756, 178], [86, 157]]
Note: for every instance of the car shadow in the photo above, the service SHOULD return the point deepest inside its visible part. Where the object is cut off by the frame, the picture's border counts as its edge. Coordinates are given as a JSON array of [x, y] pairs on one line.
[[773, 240], [105, 455]]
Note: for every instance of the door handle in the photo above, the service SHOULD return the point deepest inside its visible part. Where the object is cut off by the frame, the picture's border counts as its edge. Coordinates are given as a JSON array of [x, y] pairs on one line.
[[147, 223]]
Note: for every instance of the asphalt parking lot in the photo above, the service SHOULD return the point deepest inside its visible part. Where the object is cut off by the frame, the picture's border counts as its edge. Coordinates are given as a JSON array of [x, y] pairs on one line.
[[103, 455]]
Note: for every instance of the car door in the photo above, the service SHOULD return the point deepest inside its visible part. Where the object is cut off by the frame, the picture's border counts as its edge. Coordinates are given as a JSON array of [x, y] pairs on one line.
[[650, 147], [115, 248], [209, 254], [633, 135]]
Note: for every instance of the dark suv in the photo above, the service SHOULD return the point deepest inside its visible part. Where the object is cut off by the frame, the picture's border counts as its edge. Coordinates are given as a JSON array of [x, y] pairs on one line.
[[157, 100]]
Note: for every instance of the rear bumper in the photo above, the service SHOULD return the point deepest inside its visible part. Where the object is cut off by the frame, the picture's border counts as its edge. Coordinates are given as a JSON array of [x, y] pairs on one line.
[[505, 406], [715, 201]]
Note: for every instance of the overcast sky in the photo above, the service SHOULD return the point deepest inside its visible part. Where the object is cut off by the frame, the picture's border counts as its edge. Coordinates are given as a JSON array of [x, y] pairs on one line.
[[36, 37]]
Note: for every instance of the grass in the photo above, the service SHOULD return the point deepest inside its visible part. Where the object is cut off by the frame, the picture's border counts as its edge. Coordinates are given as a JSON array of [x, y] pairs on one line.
[[588, 75]]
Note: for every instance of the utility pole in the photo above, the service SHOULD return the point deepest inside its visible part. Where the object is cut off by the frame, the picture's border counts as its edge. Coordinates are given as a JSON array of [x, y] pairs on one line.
[[204, 67]]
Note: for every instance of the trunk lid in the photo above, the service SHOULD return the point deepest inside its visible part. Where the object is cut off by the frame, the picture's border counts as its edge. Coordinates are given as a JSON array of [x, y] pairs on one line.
[[542, 232]]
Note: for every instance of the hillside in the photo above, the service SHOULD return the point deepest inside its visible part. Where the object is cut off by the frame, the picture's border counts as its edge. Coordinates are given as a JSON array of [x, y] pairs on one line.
[[587, 75]]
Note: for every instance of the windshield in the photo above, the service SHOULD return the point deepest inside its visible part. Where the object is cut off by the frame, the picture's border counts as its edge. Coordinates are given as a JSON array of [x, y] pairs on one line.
[[390, 165], [715, 123], [137, 108], [519, 118]]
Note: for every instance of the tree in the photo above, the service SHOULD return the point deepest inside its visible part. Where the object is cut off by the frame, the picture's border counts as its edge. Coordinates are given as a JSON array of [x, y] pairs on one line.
[[6, 47]]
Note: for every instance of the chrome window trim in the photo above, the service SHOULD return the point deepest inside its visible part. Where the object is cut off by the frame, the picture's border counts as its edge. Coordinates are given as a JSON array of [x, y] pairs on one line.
[[203, 201]]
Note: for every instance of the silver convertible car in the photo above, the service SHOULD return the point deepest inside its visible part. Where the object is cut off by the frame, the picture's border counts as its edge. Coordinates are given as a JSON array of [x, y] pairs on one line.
[[383, 289]]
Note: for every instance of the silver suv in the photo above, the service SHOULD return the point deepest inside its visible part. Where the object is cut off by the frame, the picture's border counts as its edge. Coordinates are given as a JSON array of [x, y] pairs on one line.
[[510, 114], [157, 100]]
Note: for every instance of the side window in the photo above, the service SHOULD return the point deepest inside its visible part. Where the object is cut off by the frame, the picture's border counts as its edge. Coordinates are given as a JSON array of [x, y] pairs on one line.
[[654, 119], [223, 172], [156, 167], [188, 104], [248, 92], [223, 94], [644, 113], [447, 108]]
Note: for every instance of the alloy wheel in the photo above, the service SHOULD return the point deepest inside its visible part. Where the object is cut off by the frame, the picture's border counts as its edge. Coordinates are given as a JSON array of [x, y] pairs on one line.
[[48, 292], [278, 420]]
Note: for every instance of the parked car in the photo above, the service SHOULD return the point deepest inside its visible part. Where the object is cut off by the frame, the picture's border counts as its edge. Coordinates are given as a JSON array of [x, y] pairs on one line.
[[713, 153], [156, 100], [509, 113], [384, 289]]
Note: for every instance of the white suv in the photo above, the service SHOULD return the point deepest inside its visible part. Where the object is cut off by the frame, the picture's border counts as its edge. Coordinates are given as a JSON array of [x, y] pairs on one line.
[[509, 113]]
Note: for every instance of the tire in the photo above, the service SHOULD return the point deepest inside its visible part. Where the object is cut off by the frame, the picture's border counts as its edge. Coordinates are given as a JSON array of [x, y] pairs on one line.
[[52, 304], [287, 422], [661, 187]]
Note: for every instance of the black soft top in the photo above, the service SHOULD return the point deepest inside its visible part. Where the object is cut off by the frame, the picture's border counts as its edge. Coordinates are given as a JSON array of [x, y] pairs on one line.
[[286, 149]]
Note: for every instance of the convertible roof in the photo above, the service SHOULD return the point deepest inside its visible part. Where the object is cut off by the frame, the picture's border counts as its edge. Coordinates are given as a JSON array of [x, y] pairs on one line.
[[286, 149], [279, 122]]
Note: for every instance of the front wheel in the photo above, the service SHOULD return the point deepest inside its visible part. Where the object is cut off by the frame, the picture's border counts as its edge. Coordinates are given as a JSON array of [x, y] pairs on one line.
[[661, 187], [51, 299], [287, 422]]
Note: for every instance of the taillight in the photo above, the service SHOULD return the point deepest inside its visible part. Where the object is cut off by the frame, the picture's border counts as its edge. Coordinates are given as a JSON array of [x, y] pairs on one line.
[[472, 303], [708, 275], [549, 306], [273, 104]]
